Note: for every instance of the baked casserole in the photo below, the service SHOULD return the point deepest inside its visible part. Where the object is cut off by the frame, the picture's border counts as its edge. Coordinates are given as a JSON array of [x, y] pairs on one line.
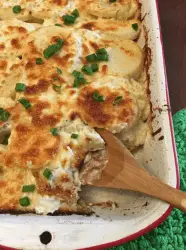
[[66, 68]]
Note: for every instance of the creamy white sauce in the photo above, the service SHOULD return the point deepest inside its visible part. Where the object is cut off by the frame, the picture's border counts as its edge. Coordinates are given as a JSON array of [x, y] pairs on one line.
[[68, 7], [77, 58], [46, 204], [56, 173]]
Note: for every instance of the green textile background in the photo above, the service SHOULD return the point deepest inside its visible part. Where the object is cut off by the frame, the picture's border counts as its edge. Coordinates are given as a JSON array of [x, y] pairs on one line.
[[171, 234]]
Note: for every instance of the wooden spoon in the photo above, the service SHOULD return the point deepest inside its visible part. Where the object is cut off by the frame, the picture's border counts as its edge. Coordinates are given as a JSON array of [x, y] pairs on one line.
[[123, 172]]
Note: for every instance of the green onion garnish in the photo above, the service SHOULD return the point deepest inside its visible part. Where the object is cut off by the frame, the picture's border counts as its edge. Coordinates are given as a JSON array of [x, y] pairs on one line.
[[117, 100], [54, 131], [58, 24], [16, 9], [79, 79], [78, 82], [91, 58], [5, 141], [25, 103], [135, 26], [39, 61], [56, 88], [28, 188], [102, 55], [24, 202], [4, 115], [47, 174], [20, 87], [69, 19], [74, 136], [53, 49], [75, 13], [77, 74], [94, 67], [59, 71], [112, 1], [87, 70], [97, 97]]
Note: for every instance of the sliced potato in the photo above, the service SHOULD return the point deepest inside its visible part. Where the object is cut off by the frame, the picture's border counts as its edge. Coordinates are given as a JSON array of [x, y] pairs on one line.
[[121, 10], [113, 28], [109, 112], [36, 10], [126, 59]]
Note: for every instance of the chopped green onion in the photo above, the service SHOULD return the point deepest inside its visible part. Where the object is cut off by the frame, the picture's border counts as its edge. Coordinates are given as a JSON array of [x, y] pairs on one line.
[[20, 87], [91, 58], [117, 100], [83, 81], [74, 136], [57, 88], [102, 55], [39, 61], [47, 174], [79, 79], [77, 74], [112, 1], [59, 71], [69, 19], [5, 141], [135, 26], [25, 103], [97, 97], [78, 82], [75, 13], [101, 51], [94, 67], [24, 202], [16, 9], [4, 115], [53, 49], [28, 188], [87, 70], [58, 24], [54, 131]]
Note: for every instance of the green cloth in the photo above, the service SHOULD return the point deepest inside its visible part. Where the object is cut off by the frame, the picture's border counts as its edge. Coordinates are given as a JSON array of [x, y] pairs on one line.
[[171, 234]]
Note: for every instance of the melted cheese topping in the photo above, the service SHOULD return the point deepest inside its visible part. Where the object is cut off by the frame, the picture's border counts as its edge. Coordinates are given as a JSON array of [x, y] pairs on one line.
[[12, 36], [39, 9], [105, 114], [57, 131]]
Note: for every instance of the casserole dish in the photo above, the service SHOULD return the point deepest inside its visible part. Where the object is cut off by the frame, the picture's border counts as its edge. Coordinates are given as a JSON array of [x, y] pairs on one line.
[[136, 214]]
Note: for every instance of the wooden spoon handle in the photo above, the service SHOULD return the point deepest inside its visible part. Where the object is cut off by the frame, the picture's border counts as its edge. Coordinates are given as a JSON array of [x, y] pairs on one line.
[[124, 172], [149, 185]]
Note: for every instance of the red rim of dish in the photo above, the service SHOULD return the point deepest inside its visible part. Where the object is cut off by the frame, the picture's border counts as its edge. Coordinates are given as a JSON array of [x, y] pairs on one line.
[[168, 211]]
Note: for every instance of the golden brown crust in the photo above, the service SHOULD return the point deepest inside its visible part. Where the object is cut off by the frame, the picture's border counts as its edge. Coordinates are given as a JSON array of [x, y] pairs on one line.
[[105, 114]]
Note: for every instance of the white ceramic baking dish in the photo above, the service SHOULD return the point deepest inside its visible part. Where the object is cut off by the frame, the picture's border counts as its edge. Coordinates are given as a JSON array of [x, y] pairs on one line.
[[137, 214]]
